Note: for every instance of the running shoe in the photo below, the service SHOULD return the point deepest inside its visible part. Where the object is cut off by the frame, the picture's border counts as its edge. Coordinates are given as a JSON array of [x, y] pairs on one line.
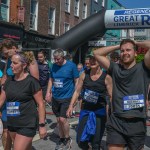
[[67, 144], [60, 145]]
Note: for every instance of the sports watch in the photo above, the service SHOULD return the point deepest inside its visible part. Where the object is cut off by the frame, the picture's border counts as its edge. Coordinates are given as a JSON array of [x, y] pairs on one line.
[[41, 124]]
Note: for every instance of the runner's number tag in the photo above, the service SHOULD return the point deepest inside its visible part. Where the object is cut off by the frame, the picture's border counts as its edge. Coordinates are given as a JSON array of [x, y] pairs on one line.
[[13, 108], [58, 83], [91, 96], [133, 102]]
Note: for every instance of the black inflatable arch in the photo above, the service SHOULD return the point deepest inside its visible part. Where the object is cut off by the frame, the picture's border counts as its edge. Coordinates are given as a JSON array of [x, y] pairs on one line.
[[81, 33], [98, 23]]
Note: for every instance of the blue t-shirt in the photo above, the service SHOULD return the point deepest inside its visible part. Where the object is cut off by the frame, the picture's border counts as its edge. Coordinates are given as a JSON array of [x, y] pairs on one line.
[[63, 80]]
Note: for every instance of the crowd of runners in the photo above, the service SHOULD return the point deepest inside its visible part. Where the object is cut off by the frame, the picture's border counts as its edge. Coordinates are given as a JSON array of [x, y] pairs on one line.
[[112, 89]]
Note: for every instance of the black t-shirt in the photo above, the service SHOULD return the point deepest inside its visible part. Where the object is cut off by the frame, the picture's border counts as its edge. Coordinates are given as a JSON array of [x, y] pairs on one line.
[[21, 106], [94, 92], [43, 74], [129, 90]]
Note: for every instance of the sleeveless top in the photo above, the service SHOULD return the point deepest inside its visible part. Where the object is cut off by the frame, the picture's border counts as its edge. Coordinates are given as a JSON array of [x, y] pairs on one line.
[[94, 92]]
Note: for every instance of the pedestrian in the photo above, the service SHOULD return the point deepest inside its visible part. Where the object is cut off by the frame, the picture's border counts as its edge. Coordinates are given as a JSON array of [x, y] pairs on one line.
[[87, 63], [63, 78], [95, 83], [80, 68], [9, 48], [22, 101], [44, 67], [126, 124]]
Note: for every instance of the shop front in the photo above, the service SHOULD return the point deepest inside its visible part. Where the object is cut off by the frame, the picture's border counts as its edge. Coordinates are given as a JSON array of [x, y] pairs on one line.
[[12, 31]]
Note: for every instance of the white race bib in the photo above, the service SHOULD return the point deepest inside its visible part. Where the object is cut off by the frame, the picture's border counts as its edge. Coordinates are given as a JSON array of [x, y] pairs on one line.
[[91, 96], [133, 102], [13, 108], [58, 83]]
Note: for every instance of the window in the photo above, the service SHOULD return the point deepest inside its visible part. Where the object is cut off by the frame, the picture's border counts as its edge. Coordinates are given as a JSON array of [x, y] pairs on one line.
[[51, 18], [4, 10], [67, 5], [34, 14], [103, 3], [66, 27], [84, 14], [76, 7]]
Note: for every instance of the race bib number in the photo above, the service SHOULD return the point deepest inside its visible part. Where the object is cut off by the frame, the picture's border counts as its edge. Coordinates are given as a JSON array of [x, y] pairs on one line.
[[58, 83], [133, 102], [91, 96], [13, 108]]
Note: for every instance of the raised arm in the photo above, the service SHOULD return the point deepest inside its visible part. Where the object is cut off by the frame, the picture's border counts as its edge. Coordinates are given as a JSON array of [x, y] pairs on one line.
[[101, 53], [145, 44]]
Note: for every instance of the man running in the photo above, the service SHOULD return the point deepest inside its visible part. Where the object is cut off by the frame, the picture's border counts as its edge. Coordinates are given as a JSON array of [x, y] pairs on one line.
[[126, 125]]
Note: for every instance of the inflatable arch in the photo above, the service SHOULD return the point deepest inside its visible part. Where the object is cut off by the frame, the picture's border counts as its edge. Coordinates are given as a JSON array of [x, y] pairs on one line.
[[98, 24]]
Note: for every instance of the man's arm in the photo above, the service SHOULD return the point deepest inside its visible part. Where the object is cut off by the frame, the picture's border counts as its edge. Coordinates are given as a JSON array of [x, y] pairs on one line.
[[101, 53], [49, 90], [145, 44]]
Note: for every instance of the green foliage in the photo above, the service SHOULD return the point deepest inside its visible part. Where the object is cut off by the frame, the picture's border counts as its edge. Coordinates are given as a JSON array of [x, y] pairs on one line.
[[139, 57]]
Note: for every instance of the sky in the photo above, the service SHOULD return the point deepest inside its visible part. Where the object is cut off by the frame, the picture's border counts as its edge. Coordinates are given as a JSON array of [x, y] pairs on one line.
[[135, 3]]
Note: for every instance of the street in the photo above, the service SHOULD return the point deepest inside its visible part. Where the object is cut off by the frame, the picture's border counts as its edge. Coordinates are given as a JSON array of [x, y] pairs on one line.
[[49, 142]]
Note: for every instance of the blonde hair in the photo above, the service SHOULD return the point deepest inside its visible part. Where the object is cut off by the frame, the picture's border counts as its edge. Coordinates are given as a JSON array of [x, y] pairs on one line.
[[30, 56], [26, 57]]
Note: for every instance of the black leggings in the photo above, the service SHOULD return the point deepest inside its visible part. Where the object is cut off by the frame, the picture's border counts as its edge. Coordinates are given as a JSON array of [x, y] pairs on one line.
[[96, 139]]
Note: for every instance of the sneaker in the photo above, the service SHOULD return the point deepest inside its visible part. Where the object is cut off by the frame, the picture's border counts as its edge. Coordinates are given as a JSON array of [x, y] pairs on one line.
[[60, 145], [67, 144]]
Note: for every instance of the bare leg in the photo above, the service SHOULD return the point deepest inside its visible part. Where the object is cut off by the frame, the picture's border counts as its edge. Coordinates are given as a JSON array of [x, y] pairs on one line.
[[61, 133], [6, 140], [22, 142], [115, 147], [65, 126]]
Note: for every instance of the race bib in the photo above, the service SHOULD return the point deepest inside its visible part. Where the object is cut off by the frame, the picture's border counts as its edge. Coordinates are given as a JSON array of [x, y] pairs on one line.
[[91, 96], [58, 83], [13, 108], [133, 102]]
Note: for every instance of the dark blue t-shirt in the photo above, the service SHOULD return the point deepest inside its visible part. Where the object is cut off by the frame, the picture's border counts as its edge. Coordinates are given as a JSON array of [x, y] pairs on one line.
[[63, 80]]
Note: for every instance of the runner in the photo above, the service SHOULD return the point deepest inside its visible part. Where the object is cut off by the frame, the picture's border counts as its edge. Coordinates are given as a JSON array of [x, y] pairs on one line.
[[22, 115], [126, 125], [44, 68], [63, 77], [8, 48], [95, 83]]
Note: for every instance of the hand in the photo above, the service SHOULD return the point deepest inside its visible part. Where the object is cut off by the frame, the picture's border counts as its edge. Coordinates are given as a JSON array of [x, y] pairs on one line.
[[48, 97], [42, 132], [69, 111]]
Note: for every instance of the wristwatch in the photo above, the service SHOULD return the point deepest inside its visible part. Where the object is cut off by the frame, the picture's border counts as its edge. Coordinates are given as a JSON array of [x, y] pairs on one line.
[[41, 124]]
